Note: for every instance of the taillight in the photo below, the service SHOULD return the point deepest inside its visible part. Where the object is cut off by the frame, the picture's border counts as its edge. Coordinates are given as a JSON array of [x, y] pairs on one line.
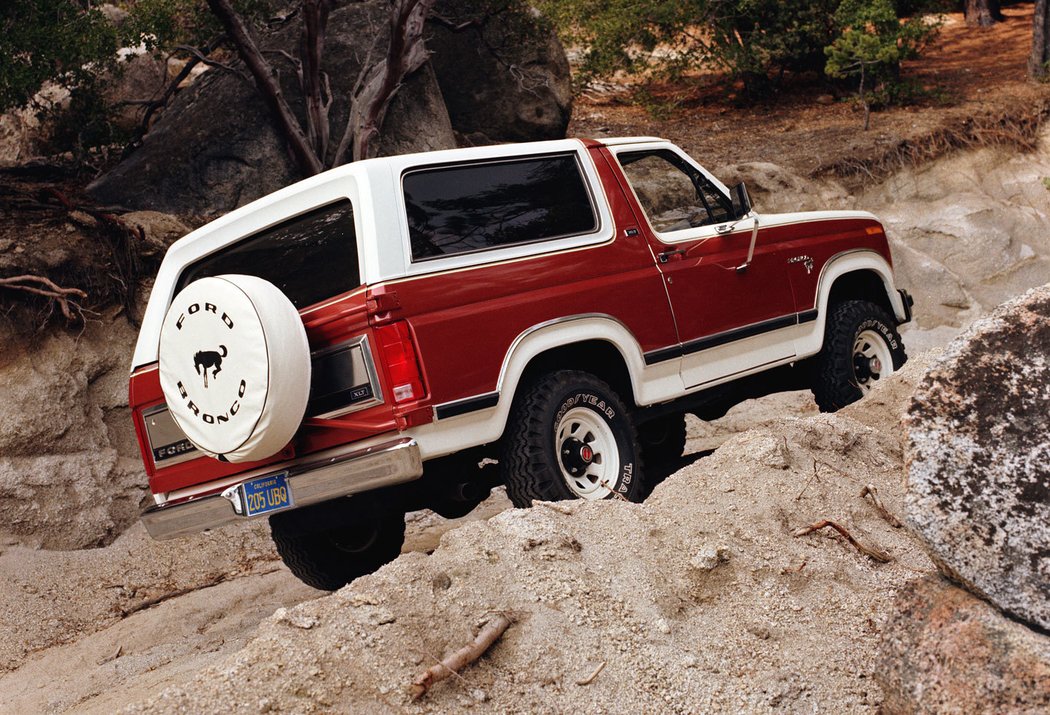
[[398, 353]]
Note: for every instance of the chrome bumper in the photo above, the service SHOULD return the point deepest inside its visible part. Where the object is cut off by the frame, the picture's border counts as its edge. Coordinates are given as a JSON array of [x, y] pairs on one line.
[[310, 481]]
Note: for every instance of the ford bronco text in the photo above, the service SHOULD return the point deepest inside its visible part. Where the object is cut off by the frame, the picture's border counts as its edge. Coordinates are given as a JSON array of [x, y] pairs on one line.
[[409, 331]]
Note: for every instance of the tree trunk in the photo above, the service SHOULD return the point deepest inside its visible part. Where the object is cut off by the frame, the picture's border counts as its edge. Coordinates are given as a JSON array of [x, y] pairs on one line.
[[982, 13], [1040, 55], [379, 83], [316, 94], [268, 86]]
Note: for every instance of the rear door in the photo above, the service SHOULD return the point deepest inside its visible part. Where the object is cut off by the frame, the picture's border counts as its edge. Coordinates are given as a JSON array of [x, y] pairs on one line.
[[728, 308]]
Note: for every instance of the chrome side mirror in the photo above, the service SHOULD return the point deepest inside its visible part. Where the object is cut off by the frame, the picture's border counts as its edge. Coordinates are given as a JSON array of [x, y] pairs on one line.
[[741, 201]]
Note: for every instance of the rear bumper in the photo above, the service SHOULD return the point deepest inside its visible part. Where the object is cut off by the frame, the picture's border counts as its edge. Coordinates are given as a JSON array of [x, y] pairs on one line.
[[311, 482]]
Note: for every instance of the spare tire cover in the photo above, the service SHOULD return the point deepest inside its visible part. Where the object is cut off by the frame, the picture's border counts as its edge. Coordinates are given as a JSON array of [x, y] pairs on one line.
[[235, 366]]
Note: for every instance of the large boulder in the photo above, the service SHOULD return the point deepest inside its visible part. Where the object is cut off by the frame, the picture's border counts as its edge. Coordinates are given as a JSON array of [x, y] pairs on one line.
[[978, 458], [946, 651], [70, 470], [216, 147], [503, 79]]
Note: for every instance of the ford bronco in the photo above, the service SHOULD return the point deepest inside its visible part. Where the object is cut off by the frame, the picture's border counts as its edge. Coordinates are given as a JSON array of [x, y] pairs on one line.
[[409, 331]]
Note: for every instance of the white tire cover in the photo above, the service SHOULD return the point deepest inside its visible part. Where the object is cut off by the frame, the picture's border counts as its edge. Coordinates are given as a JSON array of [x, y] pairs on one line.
[[235, 366]]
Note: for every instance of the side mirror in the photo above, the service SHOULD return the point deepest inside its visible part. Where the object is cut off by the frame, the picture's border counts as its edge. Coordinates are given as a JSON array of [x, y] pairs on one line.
[[741, 201]]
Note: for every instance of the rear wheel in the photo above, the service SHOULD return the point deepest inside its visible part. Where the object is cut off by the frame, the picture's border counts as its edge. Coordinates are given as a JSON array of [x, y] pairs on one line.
[[861, 347], [571, 437], [328, 545]]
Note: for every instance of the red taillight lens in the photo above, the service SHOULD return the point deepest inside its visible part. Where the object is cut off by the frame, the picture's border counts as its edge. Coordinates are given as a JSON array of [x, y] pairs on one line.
[[398, 353]]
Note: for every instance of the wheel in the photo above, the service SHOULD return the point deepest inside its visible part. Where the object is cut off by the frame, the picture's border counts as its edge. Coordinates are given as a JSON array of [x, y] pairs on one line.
[[570, 436], [329, 545], [663, 443], [861, 347]]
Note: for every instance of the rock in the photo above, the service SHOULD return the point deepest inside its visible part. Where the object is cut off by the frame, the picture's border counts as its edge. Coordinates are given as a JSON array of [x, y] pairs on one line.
[[708, 558], [978, 458], [23, 132], [497, 85], [946, 651], [159, 230], [774, 189], [216, 148], [116, 16], [70, 471], [139, 77]]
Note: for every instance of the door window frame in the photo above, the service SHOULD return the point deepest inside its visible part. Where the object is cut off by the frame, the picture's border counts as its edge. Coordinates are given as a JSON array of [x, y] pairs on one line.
[[685, 235]]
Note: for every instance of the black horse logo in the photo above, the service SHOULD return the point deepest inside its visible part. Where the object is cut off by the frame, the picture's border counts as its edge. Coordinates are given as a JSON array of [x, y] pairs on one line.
[[209, 359]]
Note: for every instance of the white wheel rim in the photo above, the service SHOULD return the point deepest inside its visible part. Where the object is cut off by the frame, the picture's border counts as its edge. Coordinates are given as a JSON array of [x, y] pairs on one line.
[[578, 431], [872, 360]]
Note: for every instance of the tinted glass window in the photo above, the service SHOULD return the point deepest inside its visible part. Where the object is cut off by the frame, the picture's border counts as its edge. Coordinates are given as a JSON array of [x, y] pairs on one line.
[[310, 258], [469, 208], [673, 193]]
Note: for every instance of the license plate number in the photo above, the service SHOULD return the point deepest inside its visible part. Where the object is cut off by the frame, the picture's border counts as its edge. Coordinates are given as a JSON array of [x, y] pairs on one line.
[[267, 494]]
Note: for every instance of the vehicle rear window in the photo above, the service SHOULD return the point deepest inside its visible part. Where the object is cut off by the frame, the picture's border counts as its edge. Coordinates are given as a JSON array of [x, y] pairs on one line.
[[310, 257], [496, 204]]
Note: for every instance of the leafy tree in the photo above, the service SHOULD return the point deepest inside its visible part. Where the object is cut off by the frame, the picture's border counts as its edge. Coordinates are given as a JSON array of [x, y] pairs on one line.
[[871, 45], [56, 40]]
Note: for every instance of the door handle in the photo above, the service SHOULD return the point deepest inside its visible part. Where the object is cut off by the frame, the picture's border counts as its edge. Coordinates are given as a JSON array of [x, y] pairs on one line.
[[669, 255]]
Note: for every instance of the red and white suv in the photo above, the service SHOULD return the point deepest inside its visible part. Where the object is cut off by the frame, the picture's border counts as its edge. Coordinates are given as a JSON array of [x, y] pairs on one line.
[[359, 344]]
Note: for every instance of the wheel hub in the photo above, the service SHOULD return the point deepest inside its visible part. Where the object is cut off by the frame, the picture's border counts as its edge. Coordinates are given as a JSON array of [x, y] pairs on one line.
[[576, 456]]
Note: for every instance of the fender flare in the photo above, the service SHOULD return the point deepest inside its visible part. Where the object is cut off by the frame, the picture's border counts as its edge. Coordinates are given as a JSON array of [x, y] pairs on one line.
[[850, 262]]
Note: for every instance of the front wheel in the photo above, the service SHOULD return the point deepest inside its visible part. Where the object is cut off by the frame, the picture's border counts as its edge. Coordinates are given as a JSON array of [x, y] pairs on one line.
[[570, 436], [861, 347]]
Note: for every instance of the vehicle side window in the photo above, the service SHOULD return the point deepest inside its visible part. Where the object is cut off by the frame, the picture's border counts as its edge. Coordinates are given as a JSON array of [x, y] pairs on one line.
[[496, 204], [674, 194], [311, 257]]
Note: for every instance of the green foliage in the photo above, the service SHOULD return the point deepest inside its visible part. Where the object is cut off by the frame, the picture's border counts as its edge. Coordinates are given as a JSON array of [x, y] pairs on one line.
[[873, 40], [872, 43], [754, 40], [622, 34], [43, 40], [163, 24]]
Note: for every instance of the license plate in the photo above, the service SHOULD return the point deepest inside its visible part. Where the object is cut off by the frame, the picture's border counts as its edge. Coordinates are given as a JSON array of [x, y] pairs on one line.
[[266, 494]]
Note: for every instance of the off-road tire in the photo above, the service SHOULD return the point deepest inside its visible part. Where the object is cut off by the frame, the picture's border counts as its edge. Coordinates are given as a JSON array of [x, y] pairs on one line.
[[531, 463], [327, 555], [663, 444], [835, 382]]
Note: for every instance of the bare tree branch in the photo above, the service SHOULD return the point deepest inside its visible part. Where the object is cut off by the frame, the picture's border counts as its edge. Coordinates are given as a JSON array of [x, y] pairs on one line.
[[266, 81]]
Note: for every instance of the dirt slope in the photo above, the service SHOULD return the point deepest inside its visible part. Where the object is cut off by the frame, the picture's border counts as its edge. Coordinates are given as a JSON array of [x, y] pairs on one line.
[[727, 611]]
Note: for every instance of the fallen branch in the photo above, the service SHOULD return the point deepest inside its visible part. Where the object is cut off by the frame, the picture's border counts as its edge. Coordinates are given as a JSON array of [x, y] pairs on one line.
[[590, 678], [39, 285], [873, 553], [463, 657], [869, 490]]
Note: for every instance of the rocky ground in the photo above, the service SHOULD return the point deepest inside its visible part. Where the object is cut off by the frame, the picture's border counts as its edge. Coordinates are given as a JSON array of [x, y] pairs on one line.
[[727, 610]]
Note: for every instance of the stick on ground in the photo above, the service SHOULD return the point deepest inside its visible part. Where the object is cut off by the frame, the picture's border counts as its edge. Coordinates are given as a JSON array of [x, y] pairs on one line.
[[869, 490], [463, 657], [873, 553]]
